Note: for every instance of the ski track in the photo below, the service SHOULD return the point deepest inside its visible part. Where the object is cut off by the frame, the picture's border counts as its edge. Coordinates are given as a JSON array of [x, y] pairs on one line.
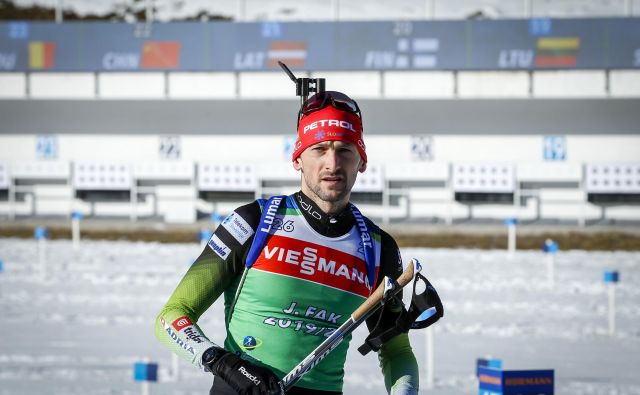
[[78, 326]]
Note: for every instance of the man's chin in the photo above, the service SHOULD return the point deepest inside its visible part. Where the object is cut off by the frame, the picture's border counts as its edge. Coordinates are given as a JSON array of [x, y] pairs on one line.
[[332, 194]]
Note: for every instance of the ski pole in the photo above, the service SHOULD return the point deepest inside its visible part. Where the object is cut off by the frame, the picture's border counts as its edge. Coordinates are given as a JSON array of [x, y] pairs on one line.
[[364, 311]]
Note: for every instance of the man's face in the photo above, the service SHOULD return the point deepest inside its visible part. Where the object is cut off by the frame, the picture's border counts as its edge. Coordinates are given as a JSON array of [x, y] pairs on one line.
[[329, 169]]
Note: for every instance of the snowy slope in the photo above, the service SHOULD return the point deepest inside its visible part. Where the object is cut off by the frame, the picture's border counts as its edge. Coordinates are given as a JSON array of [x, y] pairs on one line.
[[80, 330]]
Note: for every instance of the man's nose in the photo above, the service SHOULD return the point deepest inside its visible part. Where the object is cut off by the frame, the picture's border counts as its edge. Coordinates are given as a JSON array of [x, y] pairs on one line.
[[331, 160]]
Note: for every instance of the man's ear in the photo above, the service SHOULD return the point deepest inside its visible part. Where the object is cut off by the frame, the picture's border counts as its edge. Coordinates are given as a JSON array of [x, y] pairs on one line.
[[297, 164], [363, 166]]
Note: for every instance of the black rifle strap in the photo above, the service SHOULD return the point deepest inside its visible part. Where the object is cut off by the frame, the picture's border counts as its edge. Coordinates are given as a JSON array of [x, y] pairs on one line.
[[425, 309]]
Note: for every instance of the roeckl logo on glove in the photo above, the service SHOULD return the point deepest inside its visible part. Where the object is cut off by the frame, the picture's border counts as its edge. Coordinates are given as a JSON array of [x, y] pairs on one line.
[[248, 375]]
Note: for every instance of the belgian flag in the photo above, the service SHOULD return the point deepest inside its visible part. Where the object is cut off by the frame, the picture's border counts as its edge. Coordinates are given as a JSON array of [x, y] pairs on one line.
[[557, 51], [42, 54]]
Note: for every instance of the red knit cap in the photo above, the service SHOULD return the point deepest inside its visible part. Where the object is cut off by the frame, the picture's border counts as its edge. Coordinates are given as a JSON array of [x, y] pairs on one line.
[[329, 124]]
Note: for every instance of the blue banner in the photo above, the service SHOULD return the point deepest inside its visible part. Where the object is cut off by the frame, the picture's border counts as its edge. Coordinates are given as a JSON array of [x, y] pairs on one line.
[[535, 44], [522, 382], [515, 382]]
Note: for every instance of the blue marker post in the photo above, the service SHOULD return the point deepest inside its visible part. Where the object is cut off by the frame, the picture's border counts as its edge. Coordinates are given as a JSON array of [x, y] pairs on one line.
[[550, 249], [145, 372], [203, 236], [1, 266], [41, 234], [611, 278], [488, 363], [511, 223], [216, 219], [76, 216]]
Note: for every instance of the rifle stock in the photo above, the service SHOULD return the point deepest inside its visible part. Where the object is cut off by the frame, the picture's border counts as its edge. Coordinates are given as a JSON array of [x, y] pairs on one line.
[[364, 311]]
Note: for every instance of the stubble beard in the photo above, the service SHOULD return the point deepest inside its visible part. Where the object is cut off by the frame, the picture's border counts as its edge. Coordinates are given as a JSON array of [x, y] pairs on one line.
[[332, 196]]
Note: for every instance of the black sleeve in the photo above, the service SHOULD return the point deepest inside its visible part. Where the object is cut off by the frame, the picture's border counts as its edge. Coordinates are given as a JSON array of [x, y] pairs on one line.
[[390, 265], [236, 234], [220, 262], [390, 258]]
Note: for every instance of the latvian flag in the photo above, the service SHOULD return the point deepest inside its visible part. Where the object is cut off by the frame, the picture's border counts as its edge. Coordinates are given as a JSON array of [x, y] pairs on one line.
[[42, 54], [291, 53], [557, 51], [160, 54]]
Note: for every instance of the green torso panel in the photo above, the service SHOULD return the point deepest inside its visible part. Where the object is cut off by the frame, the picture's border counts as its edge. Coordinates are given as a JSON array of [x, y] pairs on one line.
[[301, 288]]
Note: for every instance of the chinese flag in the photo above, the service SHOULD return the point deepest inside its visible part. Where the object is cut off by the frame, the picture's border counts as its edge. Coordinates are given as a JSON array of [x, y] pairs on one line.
[[41, 54], [160, 54]]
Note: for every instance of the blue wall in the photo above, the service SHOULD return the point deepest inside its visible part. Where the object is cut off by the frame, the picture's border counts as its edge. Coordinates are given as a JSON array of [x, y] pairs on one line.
[[608, 43]]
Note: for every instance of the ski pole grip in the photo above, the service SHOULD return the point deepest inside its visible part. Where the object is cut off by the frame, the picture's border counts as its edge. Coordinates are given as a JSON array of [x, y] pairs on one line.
[[377, 295]]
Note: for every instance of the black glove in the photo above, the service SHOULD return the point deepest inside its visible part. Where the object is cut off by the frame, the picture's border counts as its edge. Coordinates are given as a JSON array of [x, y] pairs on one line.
[[245, 377]]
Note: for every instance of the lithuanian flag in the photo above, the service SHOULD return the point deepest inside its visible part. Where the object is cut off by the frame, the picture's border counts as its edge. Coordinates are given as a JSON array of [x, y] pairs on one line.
[[557, 51], [41, 54]]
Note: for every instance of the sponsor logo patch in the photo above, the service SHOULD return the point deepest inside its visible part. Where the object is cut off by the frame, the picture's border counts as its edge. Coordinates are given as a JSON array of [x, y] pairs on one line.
[[192, 334], [316, 263], [184, 323], [237, 227], [219, 247], [181, 322], [249, 343], [175, 338], [329, 123], [270, 215], [252, 378]]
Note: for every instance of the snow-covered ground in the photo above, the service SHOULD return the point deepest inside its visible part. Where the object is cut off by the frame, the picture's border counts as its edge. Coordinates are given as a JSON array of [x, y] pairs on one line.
[[80, 330]]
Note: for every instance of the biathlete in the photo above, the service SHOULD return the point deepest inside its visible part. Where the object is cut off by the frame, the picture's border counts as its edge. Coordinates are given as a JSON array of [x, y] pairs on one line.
[[322, 258]]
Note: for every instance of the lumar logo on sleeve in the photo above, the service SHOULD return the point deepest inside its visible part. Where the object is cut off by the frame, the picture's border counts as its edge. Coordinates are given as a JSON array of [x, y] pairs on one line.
[[270, 214]]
